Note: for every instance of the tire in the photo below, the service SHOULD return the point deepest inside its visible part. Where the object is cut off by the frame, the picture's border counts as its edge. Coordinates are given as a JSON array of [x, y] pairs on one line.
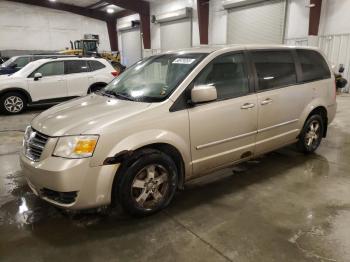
[[311, 135], [13, 103], [94, 88], [147, 177]]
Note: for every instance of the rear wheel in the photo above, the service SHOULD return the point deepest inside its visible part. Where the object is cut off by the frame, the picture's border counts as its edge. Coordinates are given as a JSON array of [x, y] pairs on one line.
[[148, 184], [13, 103], [311, 135]]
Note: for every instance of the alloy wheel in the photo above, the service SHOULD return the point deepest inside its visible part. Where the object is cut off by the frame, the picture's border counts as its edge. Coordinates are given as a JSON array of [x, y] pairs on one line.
[[150, 186], [313, 134], [13, 104]]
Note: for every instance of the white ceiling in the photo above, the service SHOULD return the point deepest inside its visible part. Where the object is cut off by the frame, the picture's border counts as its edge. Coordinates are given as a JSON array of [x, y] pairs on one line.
[[84, 3]]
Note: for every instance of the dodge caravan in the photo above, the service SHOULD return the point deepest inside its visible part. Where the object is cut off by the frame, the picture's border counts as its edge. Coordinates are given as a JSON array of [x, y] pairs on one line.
[[174, 117]]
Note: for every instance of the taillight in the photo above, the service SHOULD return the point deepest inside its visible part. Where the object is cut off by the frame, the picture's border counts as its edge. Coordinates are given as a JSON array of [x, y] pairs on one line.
[[115, 73]]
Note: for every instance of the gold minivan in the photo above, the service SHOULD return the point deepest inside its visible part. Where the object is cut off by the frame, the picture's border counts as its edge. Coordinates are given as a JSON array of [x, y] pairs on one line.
[[174, 117]]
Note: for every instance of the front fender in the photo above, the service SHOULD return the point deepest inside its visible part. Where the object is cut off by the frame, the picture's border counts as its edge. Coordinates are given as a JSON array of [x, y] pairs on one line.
[[145, 138]]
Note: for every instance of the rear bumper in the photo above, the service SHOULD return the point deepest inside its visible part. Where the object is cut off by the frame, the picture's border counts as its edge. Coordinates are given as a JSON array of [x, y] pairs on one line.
[[70, 183]]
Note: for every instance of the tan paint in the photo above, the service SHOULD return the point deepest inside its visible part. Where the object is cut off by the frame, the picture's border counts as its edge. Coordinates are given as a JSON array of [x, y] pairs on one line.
[[208, 136]]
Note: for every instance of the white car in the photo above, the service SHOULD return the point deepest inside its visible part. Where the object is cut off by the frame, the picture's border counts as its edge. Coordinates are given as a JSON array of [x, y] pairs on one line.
[[53, 80]]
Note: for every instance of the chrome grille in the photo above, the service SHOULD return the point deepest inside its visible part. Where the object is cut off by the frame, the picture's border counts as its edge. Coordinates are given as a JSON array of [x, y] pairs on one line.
[[34, 143]]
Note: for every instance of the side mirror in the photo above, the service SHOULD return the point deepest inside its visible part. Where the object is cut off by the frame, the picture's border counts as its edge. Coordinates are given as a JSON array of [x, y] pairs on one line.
[[341, 69], [37, 76], [13, 66], [203, 93]]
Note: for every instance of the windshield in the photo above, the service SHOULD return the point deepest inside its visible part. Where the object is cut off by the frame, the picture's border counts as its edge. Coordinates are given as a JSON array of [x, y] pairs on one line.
[[153, 79], [9, 62]]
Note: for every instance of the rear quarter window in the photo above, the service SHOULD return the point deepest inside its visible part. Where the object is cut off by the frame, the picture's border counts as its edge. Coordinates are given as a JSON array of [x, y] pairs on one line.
[[96, 65], [314, 67]]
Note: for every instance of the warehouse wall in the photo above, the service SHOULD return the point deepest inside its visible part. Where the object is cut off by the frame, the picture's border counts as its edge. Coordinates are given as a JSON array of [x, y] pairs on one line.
[[165, 6], [297, 21], [122, 21], [26, 27], [335, 18], [217, 23]]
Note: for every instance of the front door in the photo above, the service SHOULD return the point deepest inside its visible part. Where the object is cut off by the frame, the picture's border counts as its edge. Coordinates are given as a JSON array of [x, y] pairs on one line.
[[52, 85], [223, 131]]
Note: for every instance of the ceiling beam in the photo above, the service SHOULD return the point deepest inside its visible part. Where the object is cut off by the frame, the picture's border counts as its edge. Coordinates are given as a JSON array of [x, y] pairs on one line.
[[315, 15], [124, 13], [95, 5]]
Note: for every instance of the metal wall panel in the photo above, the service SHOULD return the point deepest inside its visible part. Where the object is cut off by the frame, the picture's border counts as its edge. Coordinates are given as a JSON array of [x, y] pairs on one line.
[[176, 34], [261, 23], [337, 50], [131, 46]]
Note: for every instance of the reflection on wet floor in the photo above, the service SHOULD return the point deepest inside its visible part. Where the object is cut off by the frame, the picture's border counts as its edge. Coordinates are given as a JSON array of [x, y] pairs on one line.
[[284, 206]]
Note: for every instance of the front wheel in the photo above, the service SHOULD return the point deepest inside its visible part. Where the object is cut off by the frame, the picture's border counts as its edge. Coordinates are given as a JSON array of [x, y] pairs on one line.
[[148, 184], [13, 103], [311, 135]]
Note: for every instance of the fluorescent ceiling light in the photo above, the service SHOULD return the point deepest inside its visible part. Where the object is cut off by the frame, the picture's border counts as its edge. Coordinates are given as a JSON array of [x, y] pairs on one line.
[[110, 10]]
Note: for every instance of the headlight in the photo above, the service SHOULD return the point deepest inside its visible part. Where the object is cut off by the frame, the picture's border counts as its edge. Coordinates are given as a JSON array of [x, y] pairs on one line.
[[75, 146]]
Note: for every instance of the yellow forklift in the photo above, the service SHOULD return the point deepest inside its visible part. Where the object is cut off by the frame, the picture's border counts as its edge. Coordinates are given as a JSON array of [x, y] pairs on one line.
[[89, 47]]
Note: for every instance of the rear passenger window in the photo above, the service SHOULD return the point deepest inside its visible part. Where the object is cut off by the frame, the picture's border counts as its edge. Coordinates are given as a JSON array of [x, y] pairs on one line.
[[274, 69], [50, 69], [95, 65], [76, 66], [313, 66], [227, 73]]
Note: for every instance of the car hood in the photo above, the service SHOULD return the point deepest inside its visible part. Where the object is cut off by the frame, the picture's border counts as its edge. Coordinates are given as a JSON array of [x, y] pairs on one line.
[[6, 80], [87, 115]]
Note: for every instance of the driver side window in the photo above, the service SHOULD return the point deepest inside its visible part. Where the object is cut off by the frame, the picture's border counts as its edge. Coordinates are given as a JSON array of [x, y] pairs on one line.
[[227, 73], [50, 69]]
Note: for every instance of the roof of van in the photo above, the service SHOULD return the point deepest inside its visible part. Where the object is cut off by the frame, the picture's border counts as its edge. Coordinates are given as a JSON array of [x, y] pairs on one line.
[[213, 48]]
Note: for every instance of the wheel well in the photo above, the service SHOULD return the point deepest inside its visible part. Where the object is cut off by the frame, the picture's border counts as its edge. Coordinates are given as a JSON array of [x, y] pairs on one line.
[[17, 90], [98, 84], [322, 111], [126, 158]]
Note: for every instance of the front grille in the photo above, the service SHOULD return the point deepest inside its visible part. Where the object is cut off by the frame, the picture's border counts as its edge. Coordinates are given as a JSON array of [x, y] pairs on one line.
[[34, 144], [60, 197]]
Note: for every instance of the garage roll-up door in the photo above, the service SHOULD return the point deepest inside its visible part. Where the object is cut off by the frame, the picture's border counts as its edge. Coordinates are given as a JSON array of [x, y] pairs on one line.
[[261, 23], [131, 46], [176, 34]]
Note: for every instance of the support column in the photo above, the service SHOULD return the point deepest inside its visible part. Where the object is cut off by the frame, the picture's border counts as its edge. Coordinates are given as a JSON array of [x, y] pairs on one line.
[[146, 26], [314, 18], [203, 20], [112, 33]]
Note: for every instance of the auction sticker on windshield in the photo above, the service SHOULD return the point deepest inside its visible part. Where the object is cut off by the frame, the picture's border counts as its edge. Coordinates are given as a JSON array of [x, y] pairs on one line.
[[185, 61]]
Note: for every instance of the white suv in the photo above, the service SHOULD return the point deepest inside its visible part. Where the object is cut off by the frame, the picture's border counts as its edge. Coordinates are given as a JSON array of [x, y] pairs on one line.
[[53, 80]]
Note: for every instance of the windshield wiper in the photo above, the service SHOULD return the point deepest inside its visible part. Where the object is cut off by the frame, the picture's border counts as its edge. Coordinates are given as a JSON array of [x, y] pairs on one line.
[[103, 93], [123, 96]]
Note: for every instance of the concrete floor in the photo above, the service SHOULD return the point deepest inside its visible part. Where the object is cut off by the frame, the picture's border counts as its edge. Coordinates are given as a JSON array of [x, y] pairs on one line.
[[284, 206]]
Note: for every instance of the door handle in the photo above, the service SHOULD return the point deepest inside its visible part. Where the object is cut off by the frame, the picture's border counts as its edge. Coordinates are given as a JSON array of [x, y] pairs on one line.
[[60, 80], [266, 101], [247, 106]]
